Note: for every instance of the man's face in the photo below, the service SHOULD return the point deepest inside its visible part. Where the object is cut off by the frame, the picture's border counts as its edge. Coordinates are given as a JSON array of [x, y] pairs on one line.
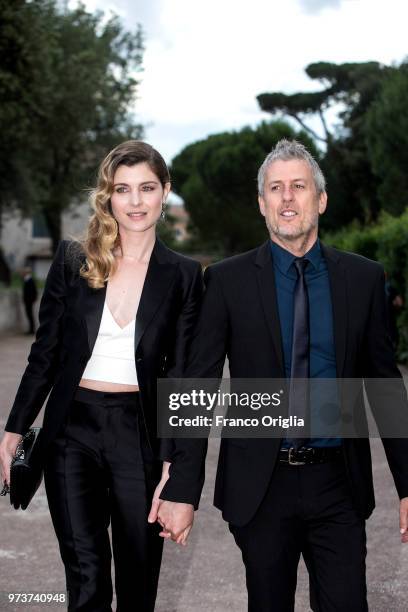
[[290, 203]]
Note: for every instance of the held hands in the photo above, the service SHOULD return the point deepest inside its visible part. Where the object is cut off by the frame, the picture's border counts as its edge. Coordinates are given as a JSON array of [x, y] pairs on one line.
[[404, 519], [175, 518], [8, 447]]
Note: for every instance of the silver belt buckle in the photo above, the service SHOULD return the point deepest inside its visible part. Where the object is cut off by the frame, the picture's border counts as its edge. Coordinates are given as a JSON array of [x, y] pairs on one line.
[[292, 461]]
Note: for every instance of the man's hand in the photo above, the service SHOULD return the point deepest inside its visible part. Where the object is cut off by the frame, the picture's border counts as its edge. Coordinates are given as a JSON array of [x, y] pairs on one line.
[[176, 518], [404, 519]]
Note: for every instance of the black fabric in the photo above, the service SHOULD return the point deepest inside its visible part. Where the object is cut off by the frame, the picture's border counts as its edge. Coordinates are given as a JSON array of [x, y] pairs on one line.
[[300, 361], [278, 511], [307, 510], [239, 318], [101, 471], [96, 468], [70, 315]]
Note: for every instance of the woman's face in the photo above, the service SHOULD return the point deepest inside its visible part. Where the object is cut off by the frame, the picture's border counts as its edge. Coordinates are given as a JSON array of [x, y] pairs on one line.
[[137, 197]]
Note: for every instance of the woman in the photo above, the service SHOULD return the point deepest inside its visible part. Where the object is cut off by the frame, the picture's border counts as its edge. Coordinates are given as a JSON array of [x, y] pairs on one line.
[[98, 442]]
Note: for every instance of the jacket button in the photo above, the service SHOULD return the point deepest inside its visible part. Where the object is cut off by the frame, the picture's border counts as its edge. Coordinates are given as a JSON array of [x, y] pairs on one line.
[[139, 359]]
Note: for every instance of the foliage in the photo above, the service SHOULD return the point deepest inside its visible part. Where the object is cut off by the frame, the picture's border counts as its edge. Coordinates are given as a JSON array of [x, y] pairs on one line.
[[165, 230], [387, 139], [25, 42], [387, 242], [68, 85], [349, 88], [216, 178]]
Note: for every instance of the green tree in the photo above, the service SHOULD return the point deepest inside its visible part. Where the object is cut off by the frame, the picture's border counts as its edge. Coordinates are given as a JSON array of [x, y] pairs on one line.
[[387, 140], [385, 241], [74, 105], [216, 178], [350, 89], [24, 47]]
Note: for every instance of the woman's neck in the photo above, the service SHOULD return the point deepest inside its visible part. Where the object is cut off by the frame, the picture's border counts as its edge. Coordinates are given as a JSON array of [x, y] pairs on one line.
[[136, 246]]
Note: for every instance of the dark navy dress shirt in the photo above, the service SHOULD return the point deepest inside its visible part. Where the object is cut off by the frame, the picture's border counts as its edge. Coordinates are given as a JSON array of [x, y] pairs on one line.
[[324, 405]]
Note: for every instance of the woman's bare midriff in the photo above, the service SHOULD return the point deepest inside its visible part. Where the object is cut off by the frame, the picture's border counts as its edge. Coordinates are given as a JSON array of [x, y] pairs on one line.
[[99, 385]]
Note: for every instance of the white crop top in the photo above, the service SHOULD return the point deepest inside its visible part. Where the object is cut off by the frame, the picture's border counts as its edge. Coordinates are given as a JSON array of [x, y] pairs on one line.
[[113, 355]]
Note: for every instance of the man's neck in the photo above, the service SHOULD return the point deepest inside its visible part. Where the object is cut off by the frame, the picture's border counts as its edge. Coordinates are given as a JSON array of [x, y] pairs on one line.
[[298, 247]]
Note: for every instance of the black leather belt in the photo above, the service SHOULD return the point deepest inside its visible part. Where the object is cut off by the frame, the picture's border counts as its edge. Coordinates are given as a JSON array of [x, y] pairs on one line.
[[309, 455]]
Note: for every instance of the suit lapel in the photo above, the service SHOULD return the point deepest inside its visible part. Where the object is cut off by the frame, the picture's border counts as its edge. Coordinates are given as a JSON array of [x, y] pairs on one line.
[[160, 274], [338, 288], [94, 300], [267, 290]]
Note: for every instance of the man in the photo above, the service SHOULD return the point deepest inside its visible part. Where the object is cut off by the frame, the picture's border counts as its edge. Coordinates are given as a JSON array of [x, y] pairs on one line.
[[29, 297], [294, 308]]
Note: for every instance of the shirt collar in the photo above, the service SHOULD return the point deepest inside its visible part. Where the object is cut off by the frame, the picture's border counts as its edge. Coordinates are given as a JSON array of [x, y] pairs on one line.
[[283, 259]]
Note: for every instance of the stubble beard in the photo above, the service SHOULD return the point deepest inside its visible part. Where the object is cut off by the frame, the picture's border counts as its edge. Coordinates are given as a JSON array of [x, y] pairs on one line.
[[291, 234]]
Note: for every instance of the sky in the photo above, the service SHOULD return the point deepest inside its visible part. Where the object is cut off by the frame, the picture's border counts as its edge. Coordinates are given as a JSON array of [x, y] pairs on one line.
[[205, 62]]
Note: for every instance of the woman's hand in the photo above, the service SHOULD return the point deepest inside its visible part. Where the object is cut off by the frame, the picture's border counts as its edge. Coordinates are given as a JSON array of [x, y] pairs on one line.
[[152, 518], [175, 518], [8, 447]]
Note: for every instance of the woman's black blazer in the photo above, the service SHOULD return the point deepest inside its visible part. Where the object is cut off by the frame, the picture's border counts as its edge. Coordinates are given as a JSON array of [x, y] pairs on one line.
[[70, 315]]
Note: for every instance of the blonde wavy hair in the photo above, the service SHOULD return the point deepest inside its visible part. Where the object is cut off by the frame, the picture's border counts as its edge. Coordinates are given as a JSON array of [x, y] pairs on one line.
[[102, 235]]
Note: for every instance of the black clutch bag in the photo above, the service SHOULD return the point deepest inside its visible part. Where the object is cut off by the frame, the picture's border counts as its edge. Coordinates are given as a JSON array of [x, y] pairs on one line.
[[26, 472]]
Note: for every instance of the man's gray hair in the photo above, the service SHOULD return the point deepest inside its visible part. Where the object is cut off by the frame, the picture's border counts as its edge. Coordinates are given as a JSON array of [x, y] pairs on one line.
[[286, 150]]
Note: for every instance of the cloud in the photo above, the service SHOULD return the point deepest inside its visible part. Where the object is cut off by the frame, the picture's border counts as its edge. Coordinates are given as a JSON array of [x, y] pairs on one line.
[[205, 62], [132, 12], [315, 6]]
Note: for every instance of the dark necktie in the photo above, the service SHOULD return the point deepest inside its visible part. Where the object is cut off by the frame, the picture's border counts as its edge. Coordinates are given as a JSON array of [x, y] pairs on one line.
[[299, 389]]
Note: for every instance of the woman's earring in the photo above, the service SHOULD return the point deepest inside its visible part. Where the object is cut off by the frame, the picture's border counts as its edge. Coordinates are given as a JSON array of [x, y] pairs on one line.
[[163, 212]]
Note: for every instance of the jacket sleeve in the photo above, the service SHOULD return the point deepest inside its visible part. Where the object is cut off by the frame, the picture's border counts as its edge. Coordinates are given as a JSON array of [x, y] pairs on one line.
[[385, 389], [40, 372], [184, 329], [206, 360], [186, 323]]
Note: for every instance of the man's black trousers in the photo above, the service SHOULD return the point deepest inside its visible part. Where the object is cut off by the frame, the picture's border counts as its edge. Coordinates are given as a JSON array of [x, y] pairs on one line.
[[307, 510]]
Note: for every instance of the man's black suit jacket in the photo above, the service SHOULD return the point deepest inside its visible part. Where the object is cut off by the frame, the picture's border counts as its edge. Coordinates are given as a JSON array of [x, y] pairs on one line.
[[239, 318], [70, 315]]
